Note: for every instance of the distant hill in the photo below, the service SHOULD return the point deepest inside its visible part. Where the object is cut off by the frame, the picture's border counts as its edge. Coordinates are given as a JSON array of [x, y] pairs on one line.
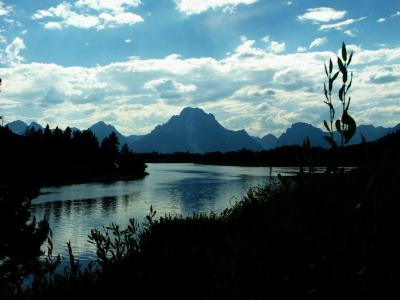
[[133, 138], [298, 132], [372, 133], [20, 127], [267, 142], [35, 126], [194, 130], [102, 130]]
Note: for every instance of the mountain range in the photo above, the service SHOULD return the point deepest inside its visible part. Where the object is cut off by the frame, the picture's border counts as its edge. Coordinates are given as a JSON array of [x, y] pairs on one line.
[[196, 131]]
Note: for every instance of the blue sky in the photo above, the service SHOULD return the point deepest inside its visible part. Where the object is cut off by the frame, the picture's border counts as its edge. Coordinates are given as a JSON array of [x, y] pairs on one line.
[[254, 64]]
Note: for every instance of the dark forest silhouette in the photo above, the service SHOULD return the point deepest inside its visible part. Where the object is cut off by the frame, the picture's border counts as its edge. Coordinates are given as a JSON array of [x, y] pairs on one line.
[[60, 157]]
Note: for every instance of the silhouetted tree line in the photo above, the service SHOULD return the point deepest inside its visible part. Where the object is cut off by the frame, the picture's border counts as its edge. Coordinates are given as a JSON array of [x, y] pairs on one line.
[[296, 156], [63, 156]]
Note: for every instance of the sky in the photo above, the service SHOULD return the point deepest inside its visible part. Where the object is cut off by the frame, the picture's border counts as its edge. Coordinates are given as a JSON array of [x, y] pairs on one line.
[[256, 65]]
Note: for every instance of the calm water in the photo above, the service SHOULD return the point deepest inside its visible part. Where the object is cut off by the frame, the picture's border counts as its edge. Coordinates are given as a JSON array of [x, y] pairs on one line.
[[175, 189]]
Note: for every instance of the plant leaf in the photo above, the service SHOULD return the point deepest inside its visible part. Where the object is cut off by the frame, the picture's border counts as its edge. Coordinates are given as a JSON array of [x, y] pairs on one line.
[[326, 71], [341, 92], [344, 52], [337, 125], [345, 76], [326, 92], [350, 58], [351, 127], [330, 66], [335, 76], [351, 81], [330, 141], [327, 126], [348, 104], [341, 65]]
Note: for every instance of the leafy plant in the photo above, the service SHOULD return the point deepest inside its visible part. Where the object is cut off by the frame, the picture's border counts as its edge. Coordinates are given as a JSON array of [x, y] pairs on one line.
[[345, 126], [113, 243]]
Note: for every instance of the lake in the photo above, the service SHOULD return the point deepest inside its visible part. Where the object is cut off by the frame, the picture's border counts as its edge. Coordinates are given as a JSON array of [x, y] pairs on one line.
[[171, 189]]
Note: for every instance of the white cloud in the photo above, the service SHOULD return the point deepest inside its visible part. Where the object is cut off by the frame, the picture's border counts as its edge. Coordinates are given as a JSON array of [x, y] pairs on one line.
[[340, 25], [274, 46], [318, 42], [128, 41], [380, 20], [301, 49], [251, 88], [350, 33], [191, 7], [170, 89], [4, 10], [53, 25], [11, 54], [107, 14], [40, 14], [396, 14], [119, 19], [3, 40], [114, 5], [365, 57], [322, 14]]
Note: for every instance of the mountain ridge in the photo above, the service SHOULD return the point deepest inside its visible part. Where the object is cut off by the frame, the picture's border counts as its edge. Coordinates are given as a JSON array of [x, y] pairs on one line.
[[194, 130], [197, 131]]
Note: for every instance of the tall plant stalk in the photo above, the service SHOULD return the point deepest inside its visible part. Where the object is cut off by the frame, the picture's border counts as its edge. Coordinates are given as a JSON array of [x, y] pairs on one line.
[[345, 126]]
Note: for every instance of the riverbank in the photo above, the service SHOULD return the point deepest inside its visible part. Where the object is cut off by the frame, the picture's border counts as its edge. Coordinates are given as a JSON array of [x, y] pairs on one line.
[[332, 236]]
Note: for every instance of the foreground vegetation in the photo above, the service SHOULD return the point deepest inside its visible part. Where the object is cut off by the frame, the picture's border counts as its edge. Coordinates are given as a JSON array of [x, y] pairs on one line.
[[325, 236]]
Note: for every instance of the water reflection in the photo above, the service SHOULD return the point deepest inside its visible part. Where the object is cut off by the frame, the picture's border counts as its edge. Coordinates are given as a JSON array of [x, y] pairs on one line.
[[171, 189]]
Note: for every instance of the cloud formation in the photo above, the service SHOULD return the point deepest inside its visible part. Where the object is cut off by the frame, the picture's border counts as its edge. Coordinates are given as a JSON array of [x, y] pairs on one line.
[[318, 42], [341, 25], [4, 9], [322, 14], [396, 14], [192, 7], [98, 14], [113, 5], [11, 54], [274, 46], [252, 88]]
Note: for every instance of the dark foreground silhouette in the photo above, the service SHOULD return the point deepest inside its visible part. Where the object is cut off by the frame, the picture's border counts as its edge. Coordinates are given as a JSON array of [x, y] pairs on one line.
[[313, 236], [52, 157]]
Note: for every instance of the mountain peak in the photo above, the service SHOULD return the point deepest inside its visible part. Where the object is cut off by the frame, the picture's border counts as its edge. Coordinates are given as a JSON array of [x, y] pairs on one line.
[[194, 113], [100, 123], [191, 110], [35, 125], [18, 127], [102, 130], [299, 125], [196, 131]]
